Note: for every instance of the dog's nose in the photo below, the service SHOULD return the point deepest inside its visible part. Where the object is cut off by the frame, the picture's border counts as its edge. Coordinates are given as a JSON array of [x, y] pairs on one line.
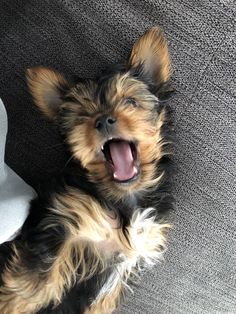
[[105, 124]]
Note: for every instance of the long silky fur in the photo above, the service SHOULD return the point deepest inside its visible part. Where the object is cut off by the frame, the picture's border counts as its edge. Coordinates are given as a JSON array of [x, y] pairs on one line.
[[87, 237], [75, 257]]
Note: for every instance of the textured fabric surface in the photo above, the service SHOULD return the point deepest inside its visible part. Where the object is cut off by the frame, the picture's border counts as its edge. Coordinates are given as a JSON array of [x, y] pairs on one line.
[[82, 37]]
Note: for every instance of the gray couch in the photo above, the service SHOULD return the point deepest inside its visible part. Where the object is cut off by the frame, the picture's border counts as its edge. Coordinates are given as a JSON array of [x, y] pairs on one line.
[[81, 38]]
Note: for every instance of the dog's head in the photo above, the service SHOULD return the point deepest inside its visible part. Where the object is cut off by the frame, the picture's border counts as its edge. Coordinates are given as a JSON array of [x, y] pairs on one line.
[[112, 124]]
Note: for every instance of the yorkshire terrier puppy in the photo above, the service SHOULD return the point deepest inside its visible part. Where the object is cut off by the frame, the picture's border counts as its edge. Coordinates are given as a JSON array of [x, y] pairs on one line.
[[92, 229]]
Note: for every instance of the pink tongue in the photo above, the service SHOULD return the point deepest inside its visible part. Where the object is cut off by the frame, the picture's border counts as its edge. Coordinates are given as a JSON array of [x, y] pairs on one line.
[[122, 160]]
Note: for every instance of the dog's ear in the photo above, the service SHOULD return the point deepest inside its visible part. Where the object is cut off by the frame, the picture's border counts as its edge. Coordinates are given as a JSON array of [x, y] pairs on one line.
[[48, 88], [150, 58]]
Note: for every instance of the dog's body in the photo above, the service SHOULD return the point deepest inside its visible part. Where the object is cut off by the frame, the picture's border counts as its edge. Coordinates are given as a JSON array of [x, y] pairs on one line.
[[91, 229]]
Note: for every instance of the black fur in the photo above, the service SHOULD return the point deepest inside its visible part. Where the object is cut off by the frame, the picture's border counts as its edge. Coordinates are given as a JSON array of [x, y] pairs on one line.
[[37, 243]]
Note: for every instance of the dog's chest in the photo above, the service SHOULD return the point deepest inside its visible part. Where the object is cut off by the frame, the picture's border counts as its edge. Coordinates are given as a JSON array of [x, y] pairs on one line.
[[89, 222], [141, 246]]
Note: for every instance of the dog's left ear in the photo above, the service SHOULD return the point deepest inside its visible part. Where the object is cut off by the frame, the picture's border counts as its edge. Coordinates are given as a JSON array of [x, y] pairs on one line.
[[150, 58], [48, 87]]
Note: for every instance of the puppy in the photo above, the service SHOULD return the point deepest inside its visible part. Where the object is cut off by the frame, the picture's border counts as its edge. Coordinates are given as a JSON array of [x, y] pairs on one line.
[[92, 229]]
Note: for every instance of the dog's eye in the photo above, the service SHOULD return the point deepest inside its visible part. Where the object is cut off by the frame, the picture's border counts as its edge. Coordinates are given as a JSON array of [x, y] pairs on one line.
[[131, 101]]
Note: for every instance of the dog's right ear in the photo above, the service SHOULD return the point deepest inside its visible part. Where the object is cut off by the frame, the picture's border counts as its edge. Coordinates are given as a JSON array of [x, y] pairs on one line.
[[48, 88]]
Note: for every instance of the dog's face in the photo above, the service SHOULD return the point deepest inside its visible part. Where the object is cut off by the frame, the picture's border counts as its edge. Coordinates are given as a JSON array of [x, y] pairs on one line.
[[112, 124]]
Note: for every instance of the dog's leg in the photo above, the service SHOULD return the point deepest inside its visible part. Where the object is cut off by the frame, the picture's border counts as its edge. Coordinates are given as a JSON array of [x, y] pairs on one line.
[[20, 292], [147, 239], [53, 257]]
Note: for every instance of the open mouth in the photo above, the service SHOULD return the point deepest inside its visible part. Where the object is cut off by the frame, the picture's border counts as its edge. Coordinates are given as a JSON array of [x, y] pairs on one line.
[[121, 156]]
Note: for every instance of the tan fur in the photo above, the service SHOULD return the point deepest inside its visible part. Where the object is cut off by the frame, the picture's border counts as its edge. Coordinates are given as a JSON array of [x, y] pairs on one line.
[[84, 95], [25, 292], [132, 124], [43, 84], [146, 244], [89, 227], [151, 51], [140, 124], [107, 304]]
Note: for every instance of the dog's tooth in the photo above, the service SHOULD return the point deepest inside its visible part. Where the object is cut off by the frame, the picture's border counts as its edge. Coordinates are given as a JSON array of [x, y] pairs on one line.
[[102, 147]]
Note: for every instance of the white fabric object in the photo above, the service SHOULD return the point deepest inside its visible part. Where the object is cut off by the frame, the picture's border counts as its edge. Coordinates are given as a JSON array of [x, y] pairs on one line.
[[15, 194]]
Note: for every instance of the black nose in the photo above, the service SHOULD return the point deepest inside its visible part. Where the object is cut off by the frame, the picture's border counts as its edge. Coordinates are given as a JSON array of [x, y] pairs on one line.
[[105, 124]]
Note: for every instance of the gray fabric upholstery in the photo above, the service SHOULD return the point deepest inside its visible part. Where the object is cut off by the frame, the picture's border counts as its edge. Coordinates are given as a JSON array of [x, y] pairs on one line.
[[82, 37]]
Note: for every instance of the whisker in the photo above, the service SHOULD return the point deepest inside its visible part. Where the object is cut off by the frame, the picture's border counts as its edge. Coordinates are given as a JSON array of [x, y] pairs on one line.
[[66, 164]]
